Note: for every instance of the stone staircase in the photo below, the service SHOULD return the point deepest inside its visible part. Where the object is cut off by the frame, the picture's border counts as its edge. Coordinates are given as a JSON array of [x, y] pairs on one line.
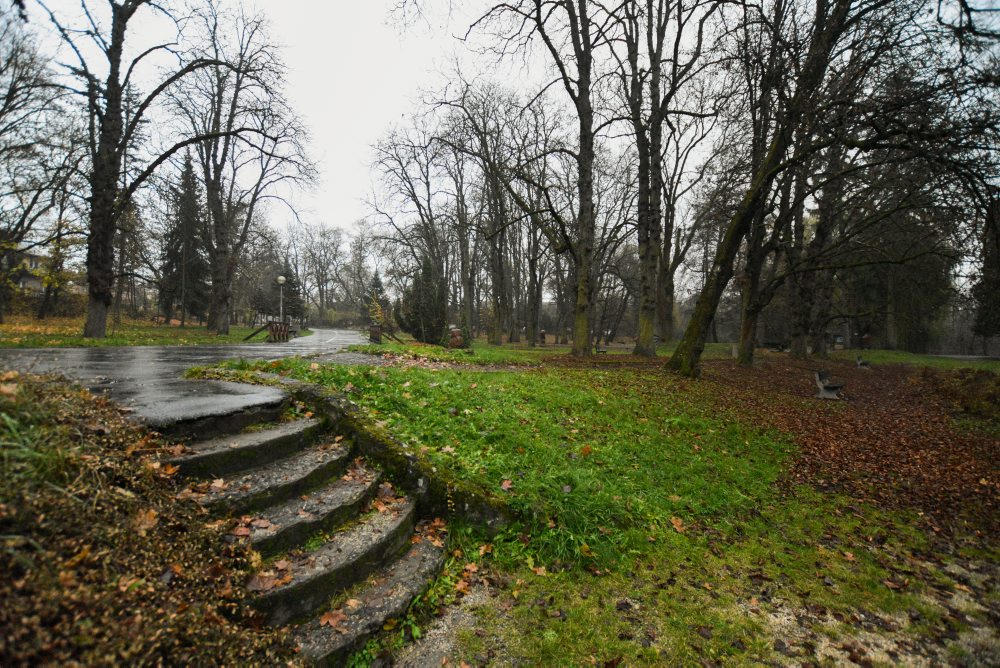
[[343, 549]]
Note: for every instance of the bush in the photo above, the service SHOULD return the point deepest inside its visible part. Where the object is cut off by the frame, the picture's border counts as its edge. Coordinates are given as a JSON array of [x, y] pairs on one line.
[[975, 392]]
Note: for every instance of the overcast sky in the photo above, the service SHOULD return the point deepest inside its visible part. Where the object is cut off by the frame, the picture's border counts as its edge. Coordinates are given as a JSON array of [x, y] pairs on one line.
[[351, 75]]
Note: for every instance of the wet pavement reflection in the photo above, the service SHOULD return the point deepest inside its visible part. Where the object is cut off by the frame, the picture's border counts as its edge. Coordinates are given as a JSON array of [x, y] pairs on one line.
[[148, 379]]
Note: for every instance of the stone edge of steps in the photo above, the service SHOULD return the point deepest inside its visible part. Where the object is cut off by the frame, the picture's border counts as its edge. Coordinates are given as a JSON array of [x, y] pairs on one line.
[[353, 555], [350, 497], [280, 480], [218, 456], [407, 577]]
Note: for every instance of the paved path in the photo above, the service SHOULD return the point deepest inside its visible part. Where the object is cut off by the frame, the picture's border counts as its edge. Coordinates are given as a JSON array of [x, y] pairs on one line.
[[148, 379]]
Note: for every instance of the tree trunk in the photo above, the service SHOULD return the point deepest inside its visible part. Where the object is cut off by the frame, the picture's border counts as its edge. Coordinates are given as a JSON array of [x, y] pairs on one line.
[[104, 190], [584, 254], [827, 30]]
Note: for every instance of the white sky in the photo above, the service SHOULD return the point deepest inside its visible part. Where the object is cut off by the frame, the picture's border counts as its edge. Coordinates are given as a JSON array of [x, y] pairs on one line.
[[352, 75]]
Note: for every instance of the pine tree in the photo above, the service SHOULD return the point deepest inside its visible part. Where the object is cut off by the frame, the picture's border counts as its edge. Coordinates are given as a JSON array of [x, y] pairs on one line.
[[185, 271], [425, 304], [294, 304]]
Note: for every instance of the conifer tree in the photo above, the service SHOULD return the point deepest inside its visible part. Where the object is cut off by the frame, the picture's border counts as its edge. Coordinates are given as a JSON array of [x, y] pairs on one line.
[[185, 271], [425, 305]]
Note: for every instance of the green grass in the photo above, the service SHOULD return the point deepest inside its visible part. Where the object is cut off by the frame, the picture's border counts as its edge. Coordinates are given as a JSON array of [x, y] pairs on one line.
[[629, 485], [608, 466], [18, 332], [917, 360], [517, 354]]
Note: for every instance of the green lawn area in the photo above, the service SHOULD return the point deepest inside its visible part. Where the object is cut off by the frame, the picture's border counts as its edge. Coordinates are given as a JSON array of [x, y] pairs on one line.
[[517, 354], [916, 360], [653, 525], [23, 332]]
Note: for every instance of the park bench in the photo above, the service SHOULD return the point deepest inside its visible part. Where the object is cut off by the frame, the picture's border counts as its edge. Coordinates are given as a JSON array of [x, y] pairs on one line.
[[828, 388], [863, 363]]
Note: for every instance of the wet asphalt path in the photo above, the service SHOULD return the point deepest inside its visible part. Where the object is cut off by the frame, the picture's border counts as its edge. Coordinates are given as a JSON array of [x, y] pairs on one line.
[[148, 379]]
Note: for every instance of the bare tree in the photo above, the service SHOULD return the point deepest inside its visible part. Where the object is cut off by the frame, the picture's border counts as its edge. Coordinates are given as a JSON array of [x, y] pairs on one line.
[[250, 145], [39, 149], [97, 43]]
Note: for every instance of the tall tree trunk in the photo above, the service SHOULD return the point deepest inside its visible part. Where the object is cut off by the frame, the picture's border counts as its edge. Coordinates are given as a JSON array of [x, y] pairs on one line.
[[827, 30], [584, 254], [104, 189]]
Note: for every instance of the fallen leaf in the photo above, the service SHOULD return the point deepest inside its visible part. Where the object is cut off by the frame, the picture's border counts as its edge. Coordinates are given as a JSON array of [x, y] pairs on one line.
[[506, 485], [678, 524], [144, 521], [333, 619]]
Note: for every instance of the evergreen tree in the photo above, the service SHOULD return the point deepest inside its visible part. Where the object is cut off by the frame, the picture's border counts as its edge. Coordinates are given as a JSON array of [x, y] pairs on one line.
[[294, 303], [184, 271], [424, 305], [378, 300], [986, 291]]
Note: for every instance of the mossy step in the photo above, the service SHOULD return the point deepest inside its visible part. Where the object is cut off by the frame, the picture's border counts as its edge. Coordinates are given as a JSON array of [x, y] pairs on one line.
[[291, 523], [237, 452], [388, 596], [346, 559], [276, 482]]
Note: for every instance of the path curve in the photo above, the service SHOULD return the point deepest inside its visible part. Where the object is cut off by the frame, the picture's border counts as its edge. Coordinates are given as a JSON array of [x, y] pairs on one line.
[[149, 379]]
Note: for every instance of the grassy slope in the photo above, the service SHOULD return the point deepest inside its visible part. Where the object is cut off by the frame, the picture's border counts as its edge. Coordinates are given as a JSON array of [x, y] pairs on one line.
[[20, 332], [633, 474]]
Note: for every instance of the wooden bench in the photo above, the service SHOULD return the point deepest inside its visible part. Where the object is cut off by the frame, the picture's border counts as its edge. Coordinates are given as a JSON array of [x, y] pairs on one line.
[[828, 388], [277, 332]]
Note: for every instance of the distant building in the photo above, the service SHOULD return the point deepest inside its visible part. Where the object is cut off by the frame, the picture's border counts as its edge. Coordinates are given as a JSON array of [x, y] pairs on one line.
[[27, 270]]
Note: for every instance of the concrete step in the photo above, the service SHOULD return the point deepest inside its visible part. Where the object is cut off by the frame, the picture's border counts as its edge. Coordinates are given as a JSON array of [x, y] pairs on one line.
[[274, 483], [224, 455], [313, 578], [208, 426], [387, 596], [290, 524]]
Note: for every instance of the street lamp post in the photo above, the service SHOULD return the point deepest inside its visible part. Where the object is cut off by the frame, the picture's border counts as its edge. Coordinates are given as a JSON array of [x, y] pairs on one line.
[[281, 298]]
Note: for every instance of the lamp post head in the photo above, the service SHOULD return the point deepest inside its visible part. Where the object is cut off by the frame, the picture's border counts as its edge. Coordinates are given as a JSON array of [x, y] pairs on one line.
[[281, 280]]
